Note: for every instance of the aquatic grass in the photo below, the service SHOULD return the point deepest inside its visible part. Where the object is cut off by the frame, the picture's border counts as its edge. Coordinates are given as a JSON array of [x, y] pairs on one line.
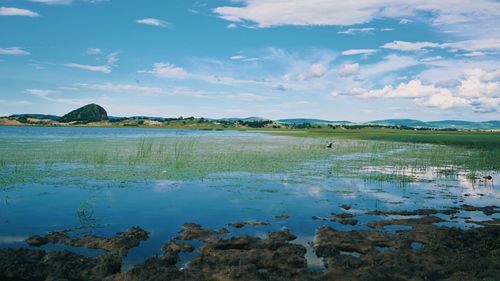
[[185, 157]]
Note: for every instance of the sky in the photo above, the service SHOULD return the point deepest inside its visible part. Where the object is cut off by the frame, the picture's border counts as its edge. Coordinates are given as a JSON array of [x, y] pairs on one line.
[[337, 60]]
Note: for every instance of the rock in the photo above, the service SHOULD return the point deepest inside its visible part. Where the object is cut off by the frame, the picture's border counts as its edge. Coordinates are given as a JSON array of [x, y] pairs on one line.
[[283, 216], [222, 231], [488, 210], [89, 113], [409, 222], [345, 207], [419, 212], [193, 231], [37, 241], [316, 218], [248, 223], [119, 244], [342, 216], [449, 253], [349, 221], [26, 264]]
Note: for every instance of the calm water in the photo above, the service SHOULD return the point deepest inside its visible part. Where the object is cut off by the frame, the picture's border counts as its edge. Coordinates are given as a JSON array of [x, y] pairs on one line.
[[161, 206]]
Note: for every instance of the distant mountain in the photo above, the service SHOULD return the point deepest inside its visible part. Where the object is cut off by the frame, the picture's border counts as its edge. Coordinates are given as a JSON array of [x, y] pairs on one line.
[[444, 124], [36, 116], [299, 121], [89, 113], [247, 119], [400, 122]]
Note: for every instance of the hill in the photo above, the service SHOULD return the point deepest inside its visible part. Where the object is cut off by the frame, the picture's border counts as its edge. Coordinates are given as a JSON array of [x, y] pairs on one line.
[[89, 113], [311, 121], [444, 124], [36, 116]]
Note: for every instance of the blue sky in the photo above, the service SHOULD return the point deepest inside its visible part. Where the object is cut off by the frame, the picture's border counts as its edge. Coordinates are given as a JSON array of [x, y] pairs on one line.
[[358, 60]]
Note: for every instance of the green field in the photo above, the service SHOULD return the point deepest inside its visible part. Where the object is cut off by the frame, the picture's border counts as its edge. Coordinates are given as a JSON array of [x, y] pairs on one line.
[[472, 139]]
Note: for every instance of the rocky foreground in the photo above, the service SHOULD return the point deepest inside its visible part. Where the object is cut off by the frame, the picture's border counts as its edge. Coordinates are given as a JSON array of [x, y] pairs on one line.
[[426, 251]]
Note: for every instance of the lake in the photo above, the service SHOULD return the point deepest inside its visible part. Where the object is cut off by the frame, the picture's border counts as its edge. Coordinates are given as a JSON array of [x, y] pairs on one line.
[[239, 176]]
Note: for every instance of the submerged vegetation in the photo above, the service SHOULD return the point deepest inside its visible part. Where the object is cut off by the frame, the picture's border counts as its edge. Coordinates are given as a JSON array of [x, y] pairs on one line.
[[371, 155]]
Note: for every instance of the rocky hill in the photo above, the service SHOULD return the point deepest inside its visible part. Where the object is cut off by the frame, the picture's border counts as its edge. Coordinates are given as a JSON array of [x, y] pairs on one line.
[[89, 113]]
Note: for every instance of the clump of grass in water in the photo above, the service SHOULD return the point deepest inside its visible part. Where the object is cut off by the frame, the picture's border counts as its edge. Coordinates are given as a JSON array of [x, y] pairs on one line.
[[98, 158], [85, 215], [182, 151]]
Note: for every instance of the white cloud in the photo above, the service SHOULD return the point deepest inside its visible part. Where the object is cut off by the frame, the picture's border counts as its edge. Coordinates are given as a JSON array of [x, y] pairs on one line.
[[316, 70], [246, 97], [443, 100], [231, 25], [473, 46], [478, 89], [166, 70], [474, 54], [488, 44], [412, 89], [122, 88], [93, 51], [238, 57], [8, 11], [353, 52], [154, 22], [48, 95], [96, 68], [354, 31], [111, 60], [405, 21], [320, 12], [14, 51], [53, 2], [65, 2], [348, 69], [390, 63], [409, 46], [429, 59]]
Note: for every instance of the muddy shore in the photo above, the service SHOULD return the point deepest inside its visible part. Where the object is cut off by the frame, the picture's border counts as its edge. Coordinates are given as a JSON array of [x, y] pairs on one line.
[[425, 250]]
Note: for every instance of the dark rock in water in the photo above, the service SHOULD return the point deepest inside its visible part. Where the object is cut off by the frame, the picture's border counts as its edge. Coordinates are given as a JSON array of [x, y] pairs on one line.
[[487, 210], [342, 215], [283, 216], [25, 264], [317, 218], [193, 231], [89, 113], [37, 241], [253, 258], [248, 223], [428, 220], [345, 207], [447, 253], [222, 231], [349, 221], [119, 244], [441, 254], [419, 212]]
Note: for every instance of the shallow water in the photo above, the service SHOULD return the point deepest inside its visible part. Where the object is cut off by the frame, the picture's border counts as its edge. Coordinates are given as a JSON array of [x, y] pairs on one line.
[[104, 207]]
